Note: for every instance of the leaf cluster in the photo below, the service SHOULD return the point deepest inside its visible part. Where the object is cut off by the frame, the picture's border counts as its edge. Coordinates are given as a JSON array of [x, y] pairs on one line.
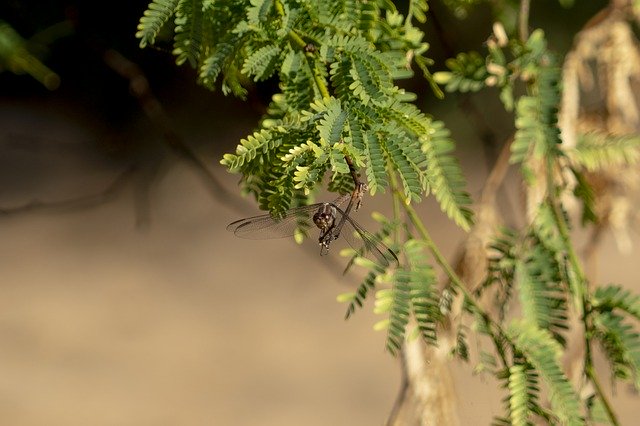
[[336, 62]]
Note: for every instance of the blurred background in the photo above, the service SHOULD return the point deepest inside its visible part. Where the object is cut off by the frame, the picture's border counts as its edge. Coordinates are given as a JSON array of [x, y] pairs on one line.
[[123, 299]]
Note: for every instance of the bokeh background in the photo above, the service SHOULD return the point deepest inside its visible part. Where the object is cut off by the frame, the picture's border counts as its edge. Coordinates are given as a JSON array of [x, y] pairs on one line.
[[123, 299]]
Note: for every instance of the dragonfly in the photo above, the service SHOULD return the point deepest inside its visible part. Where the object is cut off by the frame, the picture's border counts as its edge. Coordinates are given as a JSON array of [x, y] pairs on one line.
[[332, 221]]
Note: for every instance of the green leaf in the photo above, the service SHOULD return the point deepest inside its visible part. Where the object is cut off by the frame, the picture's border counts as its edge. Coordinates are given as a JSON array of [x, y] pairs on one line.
[[621, 344], [153, 19], [542, 297], [188, 39], [598, 151], [262, 63], [446, 180], [259, 11], [543, 353], [395, 302], [612, 297], [375, 169], [584, 192], [537, 131], [259, 143], [423, 291], [523, 390], [331, 125], [409, 174]]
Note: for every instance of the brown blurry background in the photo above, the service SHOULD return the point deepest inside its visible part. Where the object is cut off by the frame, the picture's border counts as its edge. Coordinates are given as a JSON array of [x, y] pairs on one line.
[[123, 299]]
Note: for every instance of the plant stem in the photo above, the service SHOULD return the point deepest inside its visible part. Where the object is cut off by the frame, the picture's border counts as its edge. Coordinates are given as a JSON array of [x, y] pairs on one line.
[[318, 79], [581, 287], [300, 44], [523, 20], [590, 371], [396, 203], [496, 330]]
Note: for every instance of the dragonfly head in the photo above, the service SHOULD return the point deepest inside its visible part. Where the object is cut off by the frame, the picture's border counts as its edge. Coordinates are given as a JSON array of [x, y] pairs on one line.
[[324, 217]]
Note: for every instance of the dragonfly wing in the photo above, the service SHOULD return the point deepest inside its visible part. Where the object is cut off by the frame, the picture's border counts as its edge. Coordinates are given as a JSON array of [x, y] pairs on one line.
[[295, 221], [365, 243]]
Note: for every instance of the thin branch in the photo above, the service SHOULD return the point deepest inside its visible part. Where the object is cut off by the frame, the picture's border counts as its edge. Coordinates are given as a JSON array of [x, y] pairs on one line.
[[75, 203], [141, 90], [402, 392], [523, 20], [583, 288]]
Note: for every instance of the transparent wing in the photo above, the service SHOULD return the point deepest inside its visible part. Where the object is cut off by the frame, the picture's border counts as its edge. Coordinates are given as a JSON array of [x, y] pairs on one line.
[[264, 227], [365, 243]]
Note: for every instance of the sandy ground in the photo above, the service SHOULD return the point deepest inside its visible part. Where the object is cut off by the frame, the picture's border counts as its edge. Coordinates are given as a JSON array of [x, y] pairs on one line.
[[182, 323]]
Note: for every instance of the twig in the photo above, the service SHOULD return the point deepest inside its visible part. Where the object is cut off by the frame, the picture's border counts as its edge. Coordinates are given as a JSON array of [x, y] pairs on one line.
[[523, 20], [140, 89], [402, 392], [82, 202]]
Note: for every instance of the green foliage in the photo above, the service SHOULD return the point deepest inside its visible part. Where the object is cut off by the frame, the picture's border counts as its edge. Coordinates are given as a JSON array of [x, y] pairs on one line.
[[597, 151], [336, 63], [501, 266], [413, 294], [156, 15], [542, 296], [621, 344], [537, 118], [540, 349], [584, 193], [468, 73], [445, 176], [423, 293], [189, 31], [614, 297], [523, 394], [395, 303]]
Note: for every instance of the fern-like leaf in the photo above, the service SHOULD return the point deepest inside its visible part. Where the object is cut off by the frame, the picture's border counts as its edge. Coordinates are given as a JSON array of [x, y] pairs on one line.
[[423, 291], [154, 18], [468, 73], [445, 176], [597, 151], [615, 297], [621, 344], [213, 65], [537, 132], [249, 149], [356, 299], [542, 298], [261, 64], [371, 79], [409, 174], [188, 38], [331, 125], [523, 390], [543, 353], [584, 192], [501, 270], [395, 302], [259, 11]]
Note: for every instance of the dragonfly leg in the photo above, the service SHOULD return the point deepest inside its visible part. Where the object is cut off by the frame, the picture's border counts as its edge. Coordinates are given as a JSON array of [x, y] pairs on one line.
[[326, 237]]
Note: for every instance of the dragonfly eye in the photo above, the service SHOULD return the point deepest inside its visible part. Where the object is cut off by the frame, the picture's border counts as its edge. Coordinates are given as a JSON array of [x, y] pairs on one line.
[[323, 220]]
